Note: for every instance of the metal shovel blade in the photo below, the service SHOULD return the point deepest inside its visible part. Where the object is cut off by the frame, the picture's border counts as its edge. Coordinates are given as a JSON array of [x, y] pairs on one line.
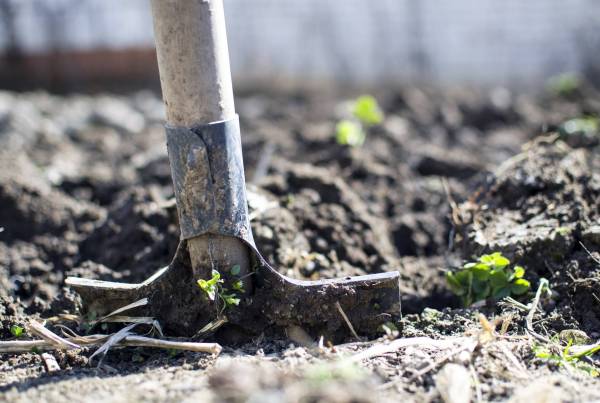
[[276, 303]]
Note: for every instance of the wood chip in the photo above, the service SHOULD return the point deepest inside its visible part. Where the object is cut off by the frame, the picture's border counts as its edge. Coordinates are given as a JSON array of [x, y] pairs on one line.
[[50, 363]]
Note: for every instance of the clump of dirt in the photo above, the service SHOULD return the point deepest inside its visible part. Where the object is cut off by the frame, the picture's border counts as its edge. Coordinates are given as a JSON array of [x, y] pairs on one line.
[[541, 210]]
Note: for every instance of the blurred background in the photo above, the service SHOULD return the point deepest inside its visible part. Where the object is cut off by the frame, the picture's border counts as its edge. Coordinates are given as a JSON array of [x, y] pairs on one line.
[[66, 45]]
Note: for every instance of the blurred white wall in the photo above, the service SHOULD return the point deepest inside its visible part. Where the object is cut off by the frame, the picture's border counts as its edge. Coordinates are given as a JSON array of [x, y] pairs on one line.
[[515, 42]]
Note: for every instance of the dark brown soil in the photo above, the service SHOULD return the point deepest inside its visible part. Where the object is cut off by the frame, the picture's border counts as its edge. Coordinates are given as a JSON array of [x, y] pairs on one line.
[[85, 190]]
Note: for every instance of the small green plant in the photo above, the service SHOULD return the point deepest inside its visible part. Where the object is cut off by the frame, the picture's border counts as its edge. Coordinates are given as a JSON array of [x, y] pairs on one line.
[[365, 112], [564, 84], [17, 331], [586, 126], [213, 288], [568, 358], [490, 276], [350, 133]]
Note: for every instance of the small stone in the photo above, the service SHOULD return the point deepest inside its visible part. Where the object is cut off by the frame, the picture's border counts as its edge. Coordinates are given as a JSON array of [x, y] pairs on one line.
[[453, 382]]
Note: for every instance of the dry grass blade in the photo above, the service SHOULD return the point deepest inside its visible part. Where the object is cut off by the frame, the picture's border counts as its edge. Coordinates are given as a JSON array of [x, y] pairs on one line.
[[140, 320], [39, 330], [532, 309], [112, 341], [347, 320], [381, 349], [589, 253], [136, 304]]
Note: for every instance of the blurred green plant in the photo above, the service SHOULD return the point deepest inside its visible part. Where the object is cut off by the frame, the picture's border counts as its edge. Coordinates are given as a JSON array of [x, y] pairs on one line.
[[342, 370], [563, 84], [365, 113], [17, 330], [587, 126], [349, 133], [490, 276], [569, 357]]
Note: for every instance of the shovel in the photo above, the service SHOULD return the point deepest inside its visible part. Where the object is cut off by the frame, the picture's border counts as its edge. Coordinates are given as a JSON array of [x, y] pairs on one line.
[[217, 275]]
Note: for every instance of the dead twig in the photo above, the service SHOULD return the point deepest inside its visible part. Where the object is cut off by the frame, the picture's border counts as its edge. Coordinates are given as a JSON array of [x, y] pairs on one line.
[[24, 346], [142, 341], [589, 253], [347, 320], [532, 309], [38, 329]]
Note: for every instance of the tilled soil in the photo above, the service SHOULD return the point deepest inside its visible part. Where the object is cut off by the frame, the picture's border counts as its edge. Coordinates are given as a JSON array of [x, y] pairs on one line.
[[85, 190]]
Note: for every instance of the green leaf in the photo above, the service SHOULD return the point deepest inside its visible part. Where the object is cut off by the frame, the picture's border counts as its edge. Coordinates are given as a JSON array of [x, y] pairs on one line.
[[495, 259], [238, 285], [520, 286], [210, 286], [519, 271], [216, 278], [486, 259], [235, 270], [481, 271], [349, 133], [501, 292], [230, 299], [498, 278], [367, 110], [464, 277], [469, 265], [481, 288], [455, 286], [209, 290], [16, 330]]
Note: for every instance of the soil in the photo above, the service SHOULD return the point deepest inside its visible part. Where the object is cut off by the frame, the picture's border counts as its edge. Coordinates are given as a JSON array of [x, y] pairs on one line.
[[85, 190]]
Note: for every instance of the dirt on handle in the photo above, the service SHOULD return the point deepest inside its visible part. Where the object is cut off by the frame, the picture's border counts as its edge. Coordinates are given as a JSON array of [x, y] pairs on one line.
[[93, 184]]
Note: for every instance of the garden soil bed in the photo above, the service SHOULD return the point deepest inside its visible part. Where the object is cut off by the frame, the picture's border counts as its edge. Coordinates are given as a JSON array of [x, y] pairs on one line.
[[85, 190]]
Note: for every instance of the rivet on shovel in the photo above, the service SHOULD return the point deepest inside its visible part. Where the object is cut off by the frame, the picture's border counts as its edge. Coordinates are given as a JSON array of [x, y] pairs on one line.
[[208, 176]]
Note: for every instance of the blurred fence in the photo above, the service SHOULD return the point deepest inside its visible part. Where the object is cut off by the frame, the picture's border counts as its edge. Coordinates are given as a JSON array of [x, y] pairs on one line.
[[511, 42]]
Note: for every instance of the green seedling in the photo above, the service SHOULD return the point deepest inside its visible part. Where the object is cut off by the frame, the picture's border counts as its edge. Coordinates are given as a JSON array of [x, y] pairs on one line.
[[569, 359], [350, 133], [213, 288], [489, 277], [17, 331], [564, 84], [587, 126], [365, 113], [235, 270], [238, 285]]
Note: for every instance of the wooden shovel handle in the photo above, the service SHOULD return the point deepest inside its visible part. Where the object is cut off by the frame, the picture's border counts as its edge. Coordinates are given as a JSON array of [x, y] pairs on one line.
[[193, 60]]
